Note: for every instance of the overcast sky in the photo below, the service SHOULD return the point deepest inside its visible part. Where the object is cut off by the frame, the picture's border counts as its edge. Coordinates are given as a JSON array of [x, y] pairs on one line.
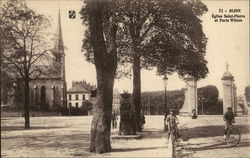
[[226, 42]]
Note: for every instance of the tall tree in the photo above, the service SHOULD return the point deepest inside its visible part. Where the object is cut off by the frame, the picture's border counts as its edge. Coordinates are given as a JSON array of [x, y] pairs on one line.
[[163, 34], [147, 34], [25, 47], [101, 42]]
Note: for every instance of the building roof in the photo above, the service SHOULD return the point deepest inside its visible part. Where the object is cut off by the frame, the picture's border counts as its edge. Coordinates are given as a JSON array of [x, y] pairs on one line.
[[78, 89]]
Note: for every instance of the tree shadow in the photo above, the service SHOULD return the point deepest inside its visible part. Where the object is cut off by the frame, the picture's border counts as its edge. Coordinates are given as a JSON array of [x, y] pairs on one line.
[[220, 145], [74, 143], [153, 133], [5, 118], [210, 131], [136, 149], [17, 128]]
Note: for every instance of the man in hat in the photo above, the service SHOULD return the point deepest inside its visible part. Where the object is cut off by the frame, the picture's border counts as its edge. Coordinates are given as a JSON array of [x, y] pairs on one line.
[[171, 122], [229, 118]]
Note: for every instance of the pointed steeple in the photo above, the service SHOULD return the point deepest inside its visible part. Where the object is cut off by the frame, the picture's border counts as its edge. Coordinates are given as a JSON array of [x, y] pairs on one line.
[[59, 55], [59, 48]]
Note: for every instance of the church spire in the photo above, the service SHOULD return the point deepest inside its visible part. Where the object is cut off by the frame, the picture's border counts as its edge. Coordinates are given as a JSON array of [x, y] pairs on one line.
[[59, 55], [59, 48]]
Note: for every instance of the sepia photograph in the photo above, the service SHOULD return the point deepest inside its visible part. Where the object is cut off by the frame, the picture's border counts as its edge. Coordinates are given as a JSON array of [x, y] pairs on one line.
[[125, 78]]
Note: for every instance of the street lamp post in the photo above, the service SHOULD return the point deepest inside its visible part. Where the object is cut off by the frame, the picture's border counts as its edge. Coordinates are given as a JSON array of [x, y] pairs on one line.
[[165, 83], [202, 99]]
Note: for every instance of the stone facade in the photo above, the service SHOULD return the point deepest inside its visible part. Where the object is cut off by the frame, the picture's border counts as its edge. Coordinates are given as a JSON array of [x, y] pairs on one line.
[[229, 91], [54, 90], [190, 102], [116, 101]]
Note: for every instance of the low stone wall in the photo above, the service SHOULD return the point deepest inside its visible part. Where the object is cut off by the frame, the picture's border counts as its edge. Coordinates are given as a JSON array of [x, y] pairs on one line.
[[32, 113]]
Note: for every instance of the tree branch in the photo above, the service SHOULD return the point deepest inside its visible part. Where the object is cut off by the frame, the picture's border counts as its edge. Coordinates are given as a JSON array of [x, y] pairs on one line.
[[15, 64]]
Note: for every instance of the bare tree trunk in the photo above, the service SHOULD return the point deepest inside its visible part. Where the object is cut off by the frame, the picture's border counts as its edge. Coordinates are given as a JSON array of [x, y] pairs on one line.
[[101, 123], [0, 70], [0, 87], [105, 57], [137, 89], [135, 35], [26, 104]]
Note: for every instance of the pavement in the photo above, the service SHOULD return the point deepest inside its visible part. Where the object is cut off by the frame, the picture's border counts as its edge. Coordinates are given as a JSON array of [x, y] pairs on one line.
[[69, 137]]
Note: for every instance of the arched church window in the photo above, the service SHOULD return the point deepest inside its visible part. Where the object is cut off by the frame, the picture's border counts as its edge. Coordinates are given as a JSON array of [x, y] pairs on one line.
[[43, 94]]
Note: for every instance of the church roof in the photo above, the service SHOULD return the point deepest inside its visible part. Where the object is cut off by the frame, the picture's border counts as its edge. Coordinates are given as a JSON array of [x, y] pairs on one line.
[[49, 72], [40, 72], [78, 89]]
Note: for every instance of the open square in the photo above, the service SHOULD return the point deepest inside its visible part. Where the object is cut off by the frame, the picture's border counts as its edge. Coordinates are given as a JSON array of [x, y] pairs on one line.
[[70, 137]]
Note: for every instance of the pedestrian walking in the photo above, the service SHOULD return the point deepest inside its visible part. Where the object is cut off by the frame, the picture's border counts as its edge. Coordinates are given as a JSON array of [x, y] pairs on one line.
[[114, 120]]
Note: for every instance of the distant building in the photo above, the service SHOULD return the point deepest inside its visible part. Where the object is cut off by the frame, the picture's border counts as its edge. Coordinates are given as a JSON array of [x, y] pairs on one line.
[[79, 92]]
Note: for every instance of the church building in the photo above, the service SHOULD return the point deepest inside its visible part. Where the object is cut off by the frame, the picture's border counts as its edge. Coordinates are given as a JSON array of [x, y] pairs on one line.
[[48, 92]]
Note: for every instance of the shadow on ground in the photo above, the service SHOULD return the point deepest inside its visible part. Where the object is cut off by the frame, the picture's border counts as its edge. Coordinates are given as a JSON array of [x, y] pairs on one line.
[[219, 145], [17, 128], [46, 140], [153, 133], [222, 145], [135, 149], [75, 143], [210, 131], [196, 132]]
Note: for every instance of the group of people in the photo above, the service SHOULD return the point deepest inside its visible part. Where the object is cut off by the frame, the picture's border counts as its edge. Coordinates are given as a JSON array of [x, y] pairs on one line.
[[172, 121]]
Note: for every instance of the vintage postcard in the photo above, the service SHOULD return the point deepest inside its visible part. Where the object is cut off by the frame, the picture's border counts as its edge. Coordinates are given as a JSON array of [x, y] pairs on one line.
[[125, 78]]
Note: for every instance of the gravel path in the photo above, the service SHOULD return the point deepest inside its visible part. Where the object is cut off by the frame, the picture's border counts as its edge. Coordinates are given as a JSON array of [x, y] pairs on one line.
[[69, 137]]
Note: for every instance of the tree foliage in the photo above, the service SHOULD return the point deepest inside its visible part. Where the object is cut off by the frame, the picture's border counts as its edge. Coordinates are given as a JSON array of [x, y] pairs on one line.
[[153, 102], [167, 35], [176, 42], [208, 101], [24, 45], [87, 105]]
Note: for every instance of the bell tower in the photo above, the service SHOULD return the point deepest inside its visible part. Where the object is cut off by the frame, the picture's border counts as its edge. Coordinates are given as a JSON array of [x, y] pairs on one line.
[[59, 55], [59, 65]]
